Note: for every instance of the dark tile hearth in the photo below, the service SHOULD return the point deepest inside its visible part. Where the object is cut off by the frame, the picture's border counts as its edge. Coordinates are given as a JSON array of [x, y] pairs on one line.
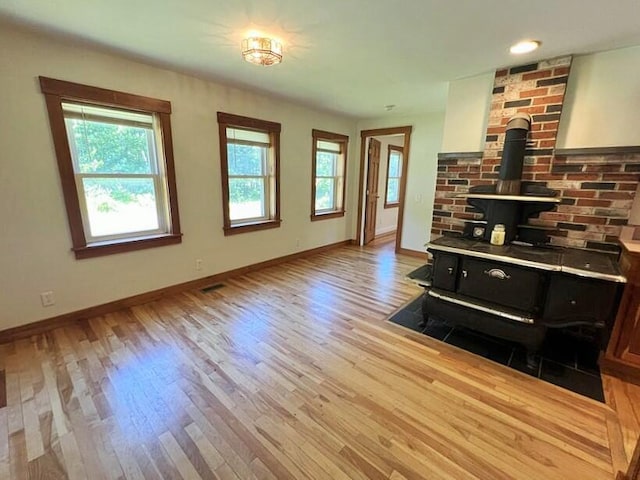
[[567, 360]]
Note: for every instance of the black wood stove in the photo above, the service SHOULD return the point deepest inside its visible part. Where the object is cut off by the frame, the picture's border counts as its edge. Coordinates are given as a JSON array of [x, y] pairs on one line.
[[519, 290]]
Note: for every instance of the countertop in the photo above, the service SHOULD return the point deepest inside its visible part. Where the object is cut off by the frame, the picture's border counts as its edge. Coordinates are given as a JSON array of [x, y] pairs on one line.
[[574, 261]]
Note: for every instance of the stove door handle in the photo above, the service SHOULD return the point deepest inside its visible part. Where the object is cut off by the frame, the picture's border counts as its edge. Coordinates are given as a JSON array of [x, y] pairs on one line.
[[497, 273]]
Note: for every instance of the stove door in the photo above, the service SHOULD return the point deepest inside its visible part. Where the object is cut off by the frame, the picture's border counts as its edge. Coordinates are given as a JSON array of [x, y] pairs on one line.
[[501, 284], [445, 271]]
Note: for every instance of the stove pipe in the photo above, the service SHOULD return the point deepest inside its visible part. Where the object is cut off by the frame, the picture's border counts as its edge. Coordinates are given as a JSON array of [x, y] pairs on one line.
[[515, 143]]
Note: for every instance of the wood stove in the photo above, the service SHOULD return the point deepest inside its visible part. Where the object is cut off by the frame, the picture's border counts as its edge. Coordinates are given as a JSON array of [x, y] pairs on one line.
[[519, 290]]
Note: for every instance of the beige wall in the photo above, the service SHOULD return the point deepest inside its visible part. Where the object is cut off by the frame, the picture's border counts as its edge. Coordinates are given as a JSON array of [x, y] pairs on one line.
[[467, 114], [386, 218], [602, 103], [426, 139], [35, 243], [601, 106]]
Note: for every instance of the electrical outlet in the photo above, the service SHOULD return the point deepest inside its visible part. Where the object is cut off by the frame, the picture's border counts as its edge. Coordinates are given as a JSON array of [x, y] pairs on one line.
[[47, 299], [198, 264]]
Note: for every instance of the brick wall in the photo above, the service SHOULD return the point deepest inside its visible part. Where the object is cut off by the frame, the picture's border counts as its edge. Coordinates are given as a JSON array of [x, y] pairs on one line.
[[596, 191], [597, 194]]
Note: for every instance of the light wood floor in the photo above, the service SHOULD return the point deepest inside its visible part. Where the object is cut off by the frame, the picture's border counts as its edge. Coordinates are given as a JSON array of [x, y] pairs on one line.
[[289, 372]]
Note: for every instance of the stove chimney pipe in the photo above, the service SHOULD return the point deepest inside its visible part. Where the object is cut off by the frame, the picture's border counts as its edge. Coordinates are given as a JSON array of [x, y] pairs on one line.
[[515, 143]]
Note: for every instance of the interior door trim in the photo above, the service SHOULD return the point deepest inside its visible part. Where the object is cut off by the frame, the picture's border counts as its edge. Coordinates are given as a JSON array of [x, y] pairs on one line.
[[364, 134]]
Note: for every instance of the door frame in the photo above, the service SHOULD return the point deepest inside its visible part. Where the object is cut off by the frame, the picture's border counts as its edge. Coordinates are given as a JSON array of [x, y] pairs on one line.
[[378, 132]]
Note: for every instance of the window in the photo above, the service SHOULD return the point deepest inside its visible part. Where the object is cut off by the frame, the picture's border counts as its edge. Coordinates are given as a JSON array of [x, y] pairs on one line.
[[329, 159], [115, 158], [249, 154], [394, 173]]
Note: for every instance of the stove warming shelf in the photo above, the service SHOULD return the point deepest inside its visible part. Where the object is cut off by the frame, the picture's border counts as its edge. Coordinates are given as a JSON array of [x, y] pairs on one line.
[[512, 198]]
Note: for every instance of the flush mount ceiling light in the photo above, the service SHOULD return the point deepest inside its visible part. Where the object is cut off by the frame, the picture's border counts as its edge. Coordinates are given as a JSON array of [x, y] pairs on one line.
[[525, 46], [262, 51]]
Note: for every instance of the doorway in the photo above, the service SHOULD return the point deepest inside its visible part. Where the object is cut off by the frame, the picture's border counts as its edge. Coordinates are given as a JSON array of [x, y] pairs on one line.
[[384, 160]]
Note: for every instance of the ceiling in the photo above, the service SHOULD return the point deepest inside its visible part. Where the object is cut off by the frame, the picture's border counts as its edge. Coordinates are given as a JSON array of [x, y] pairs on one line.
[[347, 56]]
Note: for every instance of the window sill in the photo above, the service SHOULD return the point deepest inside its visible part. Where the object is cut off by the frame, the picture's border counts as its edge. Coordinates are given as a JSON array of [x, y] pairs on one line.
[[111, 247], [392, 205], [325, 216], [251, 227]]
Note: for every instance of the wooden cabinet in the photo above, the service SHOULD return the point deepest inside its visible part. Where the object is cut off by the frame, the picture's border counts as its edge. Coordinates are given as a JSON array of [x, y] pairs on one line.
[[623, 353]]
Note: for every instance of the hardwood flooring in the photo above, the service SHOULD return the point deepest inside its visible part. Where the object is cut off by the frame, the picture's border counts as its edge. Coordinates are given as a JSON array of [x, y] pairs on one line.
[[288, 372]]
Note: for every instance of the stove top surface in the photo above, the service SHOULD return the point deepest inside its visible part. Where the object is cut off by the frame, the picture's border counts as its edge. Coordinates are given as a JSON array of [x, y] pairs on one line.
[[574, 261]]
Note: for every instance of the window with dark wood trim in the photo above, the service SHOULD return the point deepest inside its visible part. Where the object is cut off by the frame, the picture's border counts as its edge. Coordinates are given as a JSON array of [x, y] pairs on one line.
[[328, 174], [115, 158], [394, 174], [250, 168]]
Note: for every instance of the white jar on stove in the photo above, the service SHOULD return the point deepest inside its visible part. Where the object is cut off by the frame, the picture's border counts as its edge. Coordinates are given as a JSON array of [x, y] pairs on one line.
[[498, 234]]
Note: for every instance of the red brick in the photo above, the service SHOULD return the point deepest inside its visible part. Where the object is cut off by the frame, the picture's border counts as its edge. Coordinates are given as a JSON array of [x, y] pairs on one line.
[[582, 176], [590, 220], [457, 168], [545, 134], [495, 130], [560, 71], [550, 126], [469, 175], [445, 188], [531, 110], [536, 126], [536, 168], [502, 73], [548, 100], [617, 195], [627, 186], [536, 92], [491, 161], [580, 193], [588, 202], [548, 177], [548, 143], [536, 75], [627, 177], [439, 225]]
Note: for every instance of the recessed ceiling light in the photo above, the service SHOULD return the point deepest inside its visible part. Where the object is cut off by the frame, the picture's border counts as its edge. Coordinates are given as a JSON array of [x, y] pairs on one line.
[[525, 46]]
